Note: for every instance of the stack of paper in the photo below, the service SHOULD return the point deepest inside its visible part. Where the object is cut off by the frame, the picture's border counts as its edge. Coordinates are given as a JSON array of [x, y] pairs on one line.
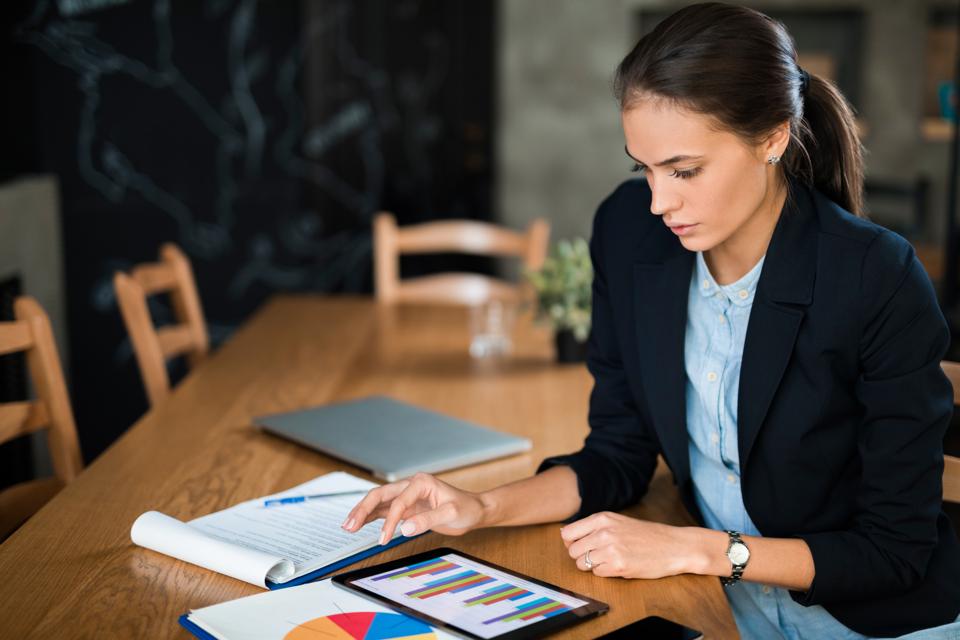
[[270, 546]]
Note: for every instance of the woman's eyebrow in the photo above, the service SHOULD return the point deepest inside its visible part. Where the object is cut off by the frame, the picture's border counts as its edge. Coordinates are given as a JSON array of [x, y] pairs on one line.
[[674, 159]]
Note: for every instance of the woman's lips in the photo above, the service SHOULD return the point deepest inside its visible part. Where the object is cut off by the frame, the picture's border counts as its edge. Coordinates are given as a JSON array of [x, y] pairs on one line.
[[682, 229]]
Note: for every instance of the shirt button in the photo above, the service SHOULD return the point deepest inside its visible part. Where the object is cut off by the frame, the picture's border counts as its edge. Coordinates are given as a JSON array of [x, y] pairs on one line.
[[721, 319], [743, 294], [714, 438], [718, 295], [712, 377], [705, 284], [767, 589], [732, 479]]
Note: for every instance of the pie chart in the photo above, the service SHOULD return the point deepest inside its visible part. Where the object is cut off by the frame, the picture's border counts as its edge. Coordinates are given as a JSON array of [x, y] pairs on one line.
[[362, 625]]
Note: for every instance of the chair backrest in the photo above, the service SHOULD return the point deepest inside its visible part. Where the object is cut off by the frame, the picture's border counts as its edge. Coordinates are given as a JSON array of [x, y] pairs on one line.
[[31, 333], [951, 464], [461, 236], [152, 346]]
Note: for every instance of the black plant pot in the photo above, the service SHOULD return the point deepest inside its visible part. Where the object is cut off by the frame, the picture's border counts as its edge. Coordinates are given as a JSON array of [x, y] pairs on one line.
[[569, 349]]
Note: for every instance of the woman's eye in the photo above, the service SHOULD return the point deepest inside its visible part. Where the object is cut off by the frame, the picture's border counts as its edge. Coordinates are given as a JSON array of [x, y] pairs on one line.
[[638, 168], [685, 174]]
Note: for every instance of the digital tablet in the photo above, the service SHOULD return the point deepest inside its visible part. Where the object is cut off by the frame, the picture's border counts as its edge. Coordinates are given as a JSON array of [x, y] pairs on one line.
[[470, 597]]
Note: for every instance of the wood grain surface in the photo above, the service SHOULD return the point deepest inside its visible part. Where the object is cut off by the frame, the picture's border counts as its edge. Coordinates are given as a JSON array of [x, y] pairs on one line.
[[72, 572]]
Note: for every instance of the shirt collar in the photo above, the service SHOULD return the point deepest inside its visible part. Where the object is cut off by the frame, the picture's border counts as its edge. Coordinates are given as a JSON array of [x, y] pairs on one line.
[[739, 293]]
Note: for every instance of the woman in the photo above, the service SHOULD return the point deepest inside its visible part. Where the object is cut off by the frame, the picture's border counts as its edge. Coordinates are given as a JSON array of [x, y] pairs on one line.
[[780, 352]]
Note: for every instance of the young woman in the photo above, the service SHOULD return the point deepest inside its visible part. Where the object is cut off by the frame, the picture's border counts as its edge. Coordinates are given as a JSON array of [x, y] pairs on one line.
[[781, 352]]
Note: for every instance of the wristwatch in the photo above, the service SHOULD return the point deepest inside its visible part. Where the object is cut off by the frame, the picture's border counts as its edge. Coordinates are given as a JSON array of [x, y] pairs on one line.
[[739, 556]]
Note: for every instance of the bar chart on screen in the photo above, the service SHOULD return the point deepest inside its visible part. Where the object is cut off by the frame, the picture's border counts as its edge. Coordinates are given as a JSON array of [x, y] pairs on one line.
[[474, 597]]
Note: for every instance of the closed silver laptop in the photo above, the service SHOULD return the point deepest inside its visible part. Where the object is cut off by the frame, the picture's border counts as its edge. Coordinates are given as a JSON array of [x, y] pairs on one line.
[[392, 439]]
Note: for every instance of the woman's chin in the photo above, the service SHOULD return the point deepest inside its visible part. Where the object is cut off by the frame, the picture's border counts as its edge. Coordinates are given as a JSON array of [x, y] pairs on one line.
[[694, 243]]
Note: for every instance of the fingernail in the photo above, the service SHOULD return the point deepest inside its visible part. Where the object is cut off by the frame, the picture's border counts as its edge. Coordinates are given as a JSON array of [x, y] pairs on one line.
[[407, 529], [383, 537], [348, 524]]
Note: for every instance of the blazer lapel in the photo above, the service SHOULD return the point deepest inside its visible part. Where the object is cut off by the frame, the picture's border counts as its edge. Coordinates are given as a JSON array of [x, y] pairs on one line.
[[660, 308], [784, 291]]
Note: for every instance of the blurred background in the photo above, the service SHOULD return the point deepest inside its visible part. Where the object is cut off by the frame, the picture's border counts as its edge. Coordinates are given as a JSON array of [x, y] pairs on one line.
[[262, 137]]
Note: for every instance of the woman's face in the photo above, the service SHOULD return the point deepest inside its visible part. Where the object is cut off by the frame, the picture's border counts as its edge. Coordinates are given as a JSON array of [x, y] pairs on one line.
[[709, 186]]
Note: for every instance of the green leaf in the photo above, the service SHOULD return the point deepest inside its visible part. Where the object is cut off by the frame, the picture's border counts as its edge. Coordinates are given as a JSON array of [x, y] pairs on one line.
[[563, 287]]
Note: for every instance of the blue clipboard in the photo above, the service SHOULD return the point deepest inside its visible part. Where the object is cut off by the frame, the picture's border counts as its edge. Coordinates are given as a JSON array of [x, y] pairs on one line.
[[185, 622], [330, 568], [194, 629]]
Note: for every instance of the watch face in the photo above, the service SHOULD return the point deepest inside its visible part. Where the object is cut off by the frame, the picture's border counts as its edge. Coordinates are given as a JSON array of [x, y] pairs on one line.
[[738, 553]]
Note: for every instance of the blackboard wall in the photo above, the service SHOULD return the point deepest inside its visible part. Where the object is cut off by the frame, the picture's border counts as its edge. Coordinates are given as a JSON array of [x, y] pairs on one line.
[[259, 136]]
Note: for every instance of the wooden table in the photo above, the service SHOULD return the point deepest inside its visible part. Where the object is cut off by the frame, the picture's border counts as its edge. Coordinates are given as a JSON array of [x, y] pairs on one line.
[[72, 572]]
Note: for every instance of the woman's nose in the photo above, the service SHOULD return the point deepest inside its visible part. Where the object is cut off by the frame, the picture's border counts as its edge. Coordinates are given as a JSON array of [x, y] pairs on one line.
[[662, 203]]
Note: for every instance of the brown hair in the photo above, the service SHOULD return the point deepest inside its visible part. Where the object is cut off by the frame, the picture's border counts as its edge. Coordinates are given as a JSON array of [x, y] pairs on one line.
[[739, 67]]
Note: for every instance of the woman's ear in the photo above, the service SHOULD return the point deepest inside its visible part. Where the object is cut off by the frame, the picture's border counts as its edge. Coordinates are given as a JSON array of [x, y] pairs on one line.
[[776, 142]]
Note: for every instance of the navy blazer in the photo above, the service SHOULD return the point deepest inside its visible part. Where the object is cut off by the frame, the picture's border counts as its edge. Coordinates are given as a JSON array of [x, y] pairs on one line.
[[842, 402]]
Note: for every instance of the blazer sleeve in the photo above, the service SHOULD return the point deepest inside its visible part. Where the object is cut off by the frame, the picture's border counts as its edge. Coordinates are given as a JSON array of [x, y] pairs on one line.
[[619, 455], [907, 403]]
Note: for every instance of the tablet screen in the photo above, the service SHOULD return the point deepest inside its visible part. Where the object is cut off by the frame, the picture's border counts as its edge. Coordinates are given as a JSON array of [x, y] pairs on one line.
[[470, 595]]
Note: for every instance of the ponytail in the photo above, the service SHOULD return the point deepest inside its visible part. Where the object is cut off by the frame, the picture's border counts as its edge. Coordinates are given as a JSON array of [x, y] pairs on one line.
[[825, 151]]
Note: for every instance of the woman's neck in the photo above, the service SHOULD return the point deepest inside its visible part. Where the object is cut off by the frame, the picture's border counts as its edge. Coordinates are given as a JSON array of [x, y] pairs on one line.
[[737, 255]]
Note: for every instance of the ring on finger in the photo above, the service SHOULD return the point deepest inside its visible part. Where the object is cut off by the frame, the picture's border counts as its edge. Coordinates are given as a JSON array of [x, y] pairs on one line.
[[586, 559]]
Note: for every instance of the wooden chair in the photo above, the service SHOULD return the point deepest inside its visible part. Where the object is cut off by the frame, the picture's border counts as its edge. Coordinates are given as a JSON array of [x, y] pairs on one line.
[[462, 236], [153, 346], [31, 333], [951, 464]]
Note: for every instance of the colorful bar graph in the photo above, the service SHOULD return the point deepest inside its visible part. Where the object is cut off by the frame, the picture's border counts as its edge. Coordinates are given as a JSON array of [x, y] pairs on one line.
[[469, 573], [480, 580], [550, 608], [443, 568], [483, 599], [498, 594], [468, 579], [419, 569], [540, 607], [443, 582]]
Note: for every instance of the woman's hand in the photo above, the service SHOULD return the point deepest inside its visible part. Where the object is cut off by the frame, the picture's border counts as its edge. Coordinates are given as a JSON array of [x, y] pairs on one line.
[[630, 548], [423, 503]]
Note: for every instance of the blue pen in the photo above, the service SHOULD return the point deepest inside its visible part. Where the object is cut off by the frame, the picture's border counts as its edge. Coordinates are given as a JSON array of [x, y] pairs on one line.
[[297, 499]]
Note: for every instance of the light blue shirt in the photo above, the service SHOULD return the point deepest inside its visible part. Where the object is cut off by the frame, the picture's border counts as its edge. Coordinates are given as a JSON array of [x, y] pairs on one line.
[[716, 328]]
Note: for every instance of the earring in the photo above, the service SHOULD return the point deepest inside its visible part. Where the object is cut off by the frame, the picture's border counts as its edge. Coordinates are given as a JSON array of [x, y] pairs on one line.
[[773, 159]]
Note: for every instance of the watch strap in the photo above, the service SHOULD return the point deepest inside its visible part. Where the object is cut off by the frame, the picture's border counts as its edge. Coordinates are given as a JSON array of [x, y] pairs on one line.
[[738, 569]]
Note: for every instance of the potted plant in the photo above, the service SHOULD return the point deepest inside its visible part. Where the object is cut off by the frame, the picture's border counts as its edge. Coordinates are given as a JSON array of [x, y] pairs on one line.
[[563, 287]]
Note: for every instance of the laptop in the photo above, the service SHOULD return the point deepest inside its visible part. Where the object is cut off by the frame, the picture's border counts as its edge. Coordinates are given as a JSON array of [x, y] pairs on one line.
[[392, 439]]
